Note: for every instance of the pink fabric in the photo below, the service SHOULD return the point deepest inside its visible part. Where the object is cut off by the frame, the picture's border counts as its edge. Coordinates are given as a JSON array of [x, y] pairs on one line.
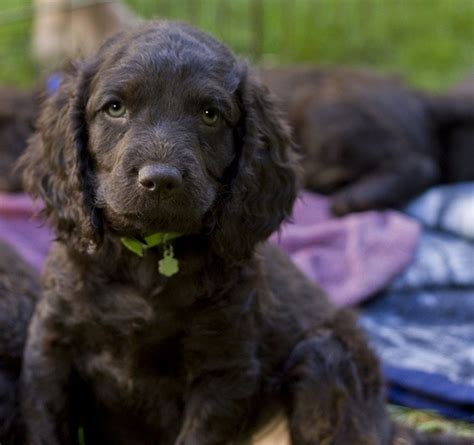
[[22, 229], [351, 258]]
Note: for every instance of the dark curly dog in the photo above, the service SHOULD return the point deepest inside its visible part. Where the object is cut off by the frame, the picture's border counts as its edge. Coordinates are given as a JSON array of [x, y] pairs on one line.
[[369, 140], [19, 290], [18, 111], [165, 143]]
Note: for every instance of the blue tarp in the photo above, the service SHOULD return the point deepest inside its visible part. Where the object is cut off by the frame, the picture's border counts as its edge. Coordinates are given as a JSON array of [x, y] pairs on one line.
[[422, 326]]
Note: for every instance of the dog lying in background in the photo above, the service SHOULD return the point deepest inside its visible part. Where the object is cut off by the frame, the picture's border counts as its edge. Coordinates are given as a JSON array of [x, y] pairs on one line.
[[19, 290], [18, 112], [367, 139], [164, 166]]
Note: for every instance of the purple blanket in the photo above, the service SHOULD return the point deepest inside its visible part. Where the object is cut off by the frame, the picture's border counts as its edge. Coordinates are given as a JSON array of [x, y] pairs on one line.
[[22, 229], [352, 258]]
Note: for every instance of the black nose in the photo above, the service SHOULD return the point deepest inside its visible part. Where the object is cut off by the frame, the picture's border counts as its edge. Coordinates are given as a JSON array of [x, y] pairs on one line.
[[161, 178]]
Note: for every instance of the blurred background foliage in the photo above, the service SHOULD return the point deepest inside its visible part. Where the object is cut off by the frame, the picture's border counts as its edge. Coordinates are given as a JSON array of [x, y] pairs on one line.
[[430, 42]]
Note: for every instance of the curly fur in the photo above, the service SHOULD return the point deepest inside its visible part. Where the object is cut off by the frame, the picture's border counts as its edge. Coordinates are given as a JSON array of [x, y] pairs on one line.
[[206, 356]]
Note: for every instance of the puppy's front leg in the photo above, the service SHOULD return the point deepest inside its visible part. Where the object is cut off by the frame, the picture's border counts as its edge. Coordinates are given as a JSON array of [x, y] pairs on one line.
[[44, 385], [334, 394]]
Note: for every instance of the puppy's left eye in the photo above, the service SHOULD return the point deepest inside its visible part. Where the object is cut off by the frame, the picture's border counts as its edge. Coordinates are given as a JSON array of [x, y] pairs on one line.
[[211, 116], [115, 109]]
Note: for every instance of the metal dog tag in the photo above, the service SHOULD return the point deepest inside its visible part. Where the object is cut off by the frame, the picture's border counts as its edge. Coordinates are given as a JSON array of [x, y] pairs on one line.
[[168, 265]]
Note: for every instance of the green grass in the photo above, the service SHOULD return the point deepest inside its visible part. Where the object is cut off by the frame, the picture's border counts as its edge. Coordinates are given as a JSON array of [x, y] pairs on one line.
[[431, 42], [16, 66]]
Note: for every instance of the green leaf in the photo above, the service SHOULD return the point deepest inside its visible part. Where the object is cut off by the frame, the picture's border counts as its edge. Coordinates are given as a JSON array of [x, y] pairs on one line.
[[155, 239], [134, 245]]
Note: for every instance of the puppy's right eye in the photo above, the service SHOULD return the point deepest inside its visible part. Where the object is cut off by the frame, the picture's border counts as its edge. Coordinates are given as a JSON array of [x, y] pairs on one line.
[[115, 109], [210, 116]]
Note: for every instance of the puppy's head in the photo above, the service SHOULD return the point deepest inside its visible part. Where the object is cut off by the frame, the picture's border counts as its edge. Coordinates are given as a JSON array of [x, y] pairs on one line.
[[163, 130]]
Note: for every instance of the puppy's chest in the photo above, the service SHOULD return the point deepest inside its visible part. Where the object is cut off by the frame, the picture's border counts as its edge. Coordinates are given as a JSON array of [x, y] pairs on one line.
[[133, 346], [148, 372]]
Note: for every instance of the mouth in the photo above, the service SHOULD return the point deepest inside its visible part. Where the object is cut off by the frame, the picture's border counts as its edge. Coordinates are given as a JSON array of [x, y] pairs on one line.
[[131, 212], [162, 216]]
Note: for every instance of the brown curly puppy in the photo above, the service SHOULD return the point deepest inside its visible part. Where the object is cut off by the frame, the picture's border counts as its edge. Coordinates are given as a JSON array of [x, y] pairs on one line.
[[19, 290], [368, 139], [166, 143]]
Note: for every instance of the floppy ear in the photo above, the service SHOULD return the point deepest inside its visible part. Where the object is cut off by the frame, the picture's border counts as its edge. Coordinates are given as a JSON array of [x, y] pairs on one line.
[[264, 175], [57, 167]]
